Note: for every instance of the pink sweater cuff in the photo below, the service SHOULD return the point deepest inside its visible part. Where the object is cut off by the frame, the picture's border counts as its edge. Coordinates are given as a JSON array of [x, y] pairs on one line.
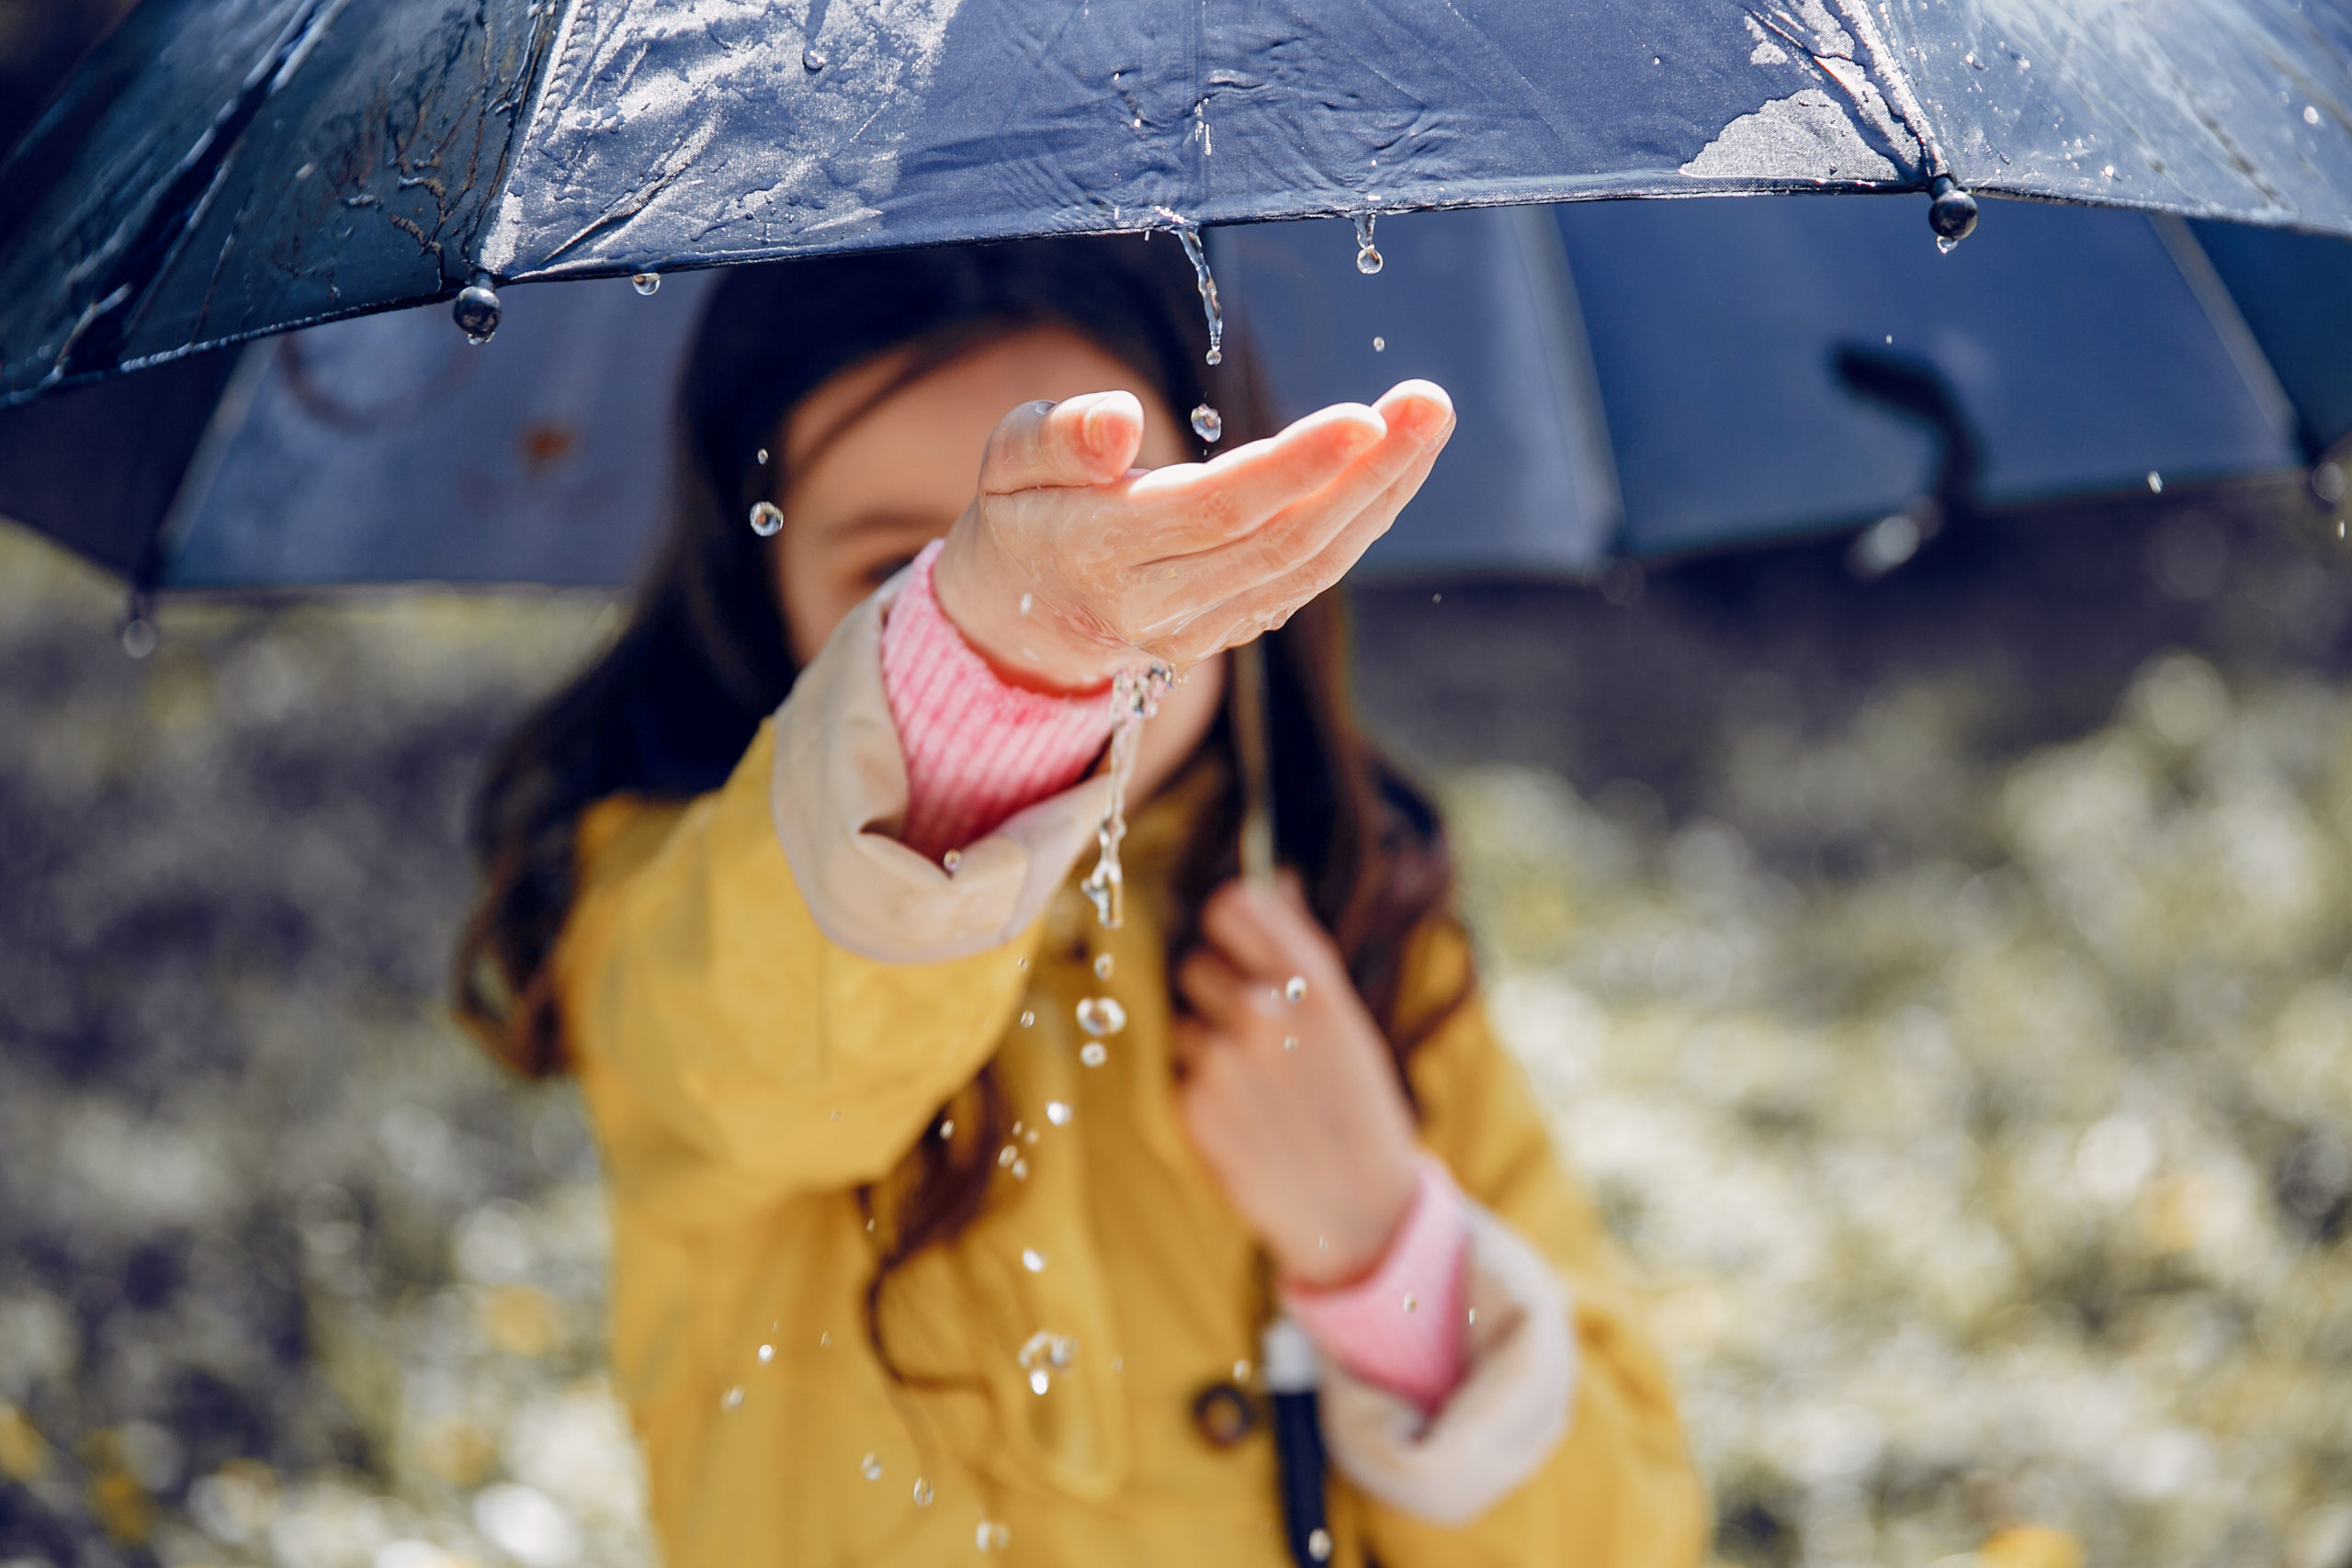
[[978, 748], [1403, 1327]]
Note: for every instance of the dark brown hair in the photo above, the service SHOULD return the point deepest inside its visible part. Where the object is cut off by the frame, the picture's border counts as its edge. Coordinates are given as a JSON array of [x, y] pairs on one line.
[[668, 709]]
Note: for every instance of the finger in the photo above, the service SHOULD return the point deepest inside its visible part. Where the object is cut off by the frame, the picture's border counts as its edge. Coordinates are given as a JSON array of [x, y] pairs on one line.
[[1215, 987], [1264, 938], [1257, 611], [1250, 614], [1204, 504], [1189, 1040], [1420, 419], [1090, 439]]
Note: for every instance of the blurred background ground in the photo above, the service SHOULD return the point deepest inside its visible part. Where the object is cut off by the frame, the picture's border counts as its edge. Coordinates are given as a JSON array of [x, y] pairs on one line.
[[1941, 981]]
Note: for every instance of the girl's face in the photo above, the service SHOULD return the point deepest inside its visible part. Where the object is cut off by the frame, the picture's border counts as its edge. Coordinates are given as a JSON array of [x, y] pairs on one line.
[[899, 476]]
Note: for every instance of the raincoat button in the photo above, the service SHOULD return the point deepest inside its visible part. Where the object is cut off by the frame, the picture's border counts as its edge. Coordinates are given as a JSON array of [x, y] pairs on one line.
[[1224, 1414]]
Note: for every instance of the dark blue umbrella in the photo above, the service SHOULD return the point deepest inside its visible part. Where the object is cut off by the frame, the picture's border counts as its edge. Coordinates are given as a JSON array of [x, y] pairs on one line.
[[1636, 378], [224, 169]]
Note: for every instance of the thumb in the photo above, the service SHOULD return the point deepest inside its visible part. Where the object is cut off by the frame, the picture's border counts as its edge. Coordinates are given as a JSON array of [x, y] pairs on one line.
[[1087, 440]]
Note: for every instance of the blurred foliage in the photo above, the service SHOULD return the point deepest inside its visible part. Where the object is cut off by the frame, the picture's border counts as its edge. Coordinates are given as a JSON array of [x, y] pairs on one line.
[[1995, 1182]]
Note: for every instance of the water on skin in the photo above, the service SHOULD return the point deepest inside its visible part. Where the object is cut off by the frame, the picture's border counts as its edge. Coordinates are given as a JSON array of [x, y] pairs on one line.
[[1294, 989], [1368, 259]]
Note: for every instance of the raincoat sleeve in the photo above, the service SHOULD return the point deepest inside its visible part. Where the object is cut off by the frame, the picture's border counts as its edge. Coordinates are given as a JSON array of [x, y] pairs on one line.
[[765, 993], [1606, 1481]]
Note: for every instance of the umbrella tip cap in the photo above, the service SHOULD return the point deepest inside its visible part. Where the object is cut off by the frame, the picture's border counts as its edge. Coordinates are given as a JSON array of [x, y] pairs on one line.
[[1951, 211], [476, 309]]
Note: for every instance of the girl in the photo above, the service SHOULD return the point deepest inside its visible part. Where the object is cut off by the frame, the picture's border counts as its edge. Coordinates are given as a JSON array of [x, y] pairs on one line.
[[948, 1218]]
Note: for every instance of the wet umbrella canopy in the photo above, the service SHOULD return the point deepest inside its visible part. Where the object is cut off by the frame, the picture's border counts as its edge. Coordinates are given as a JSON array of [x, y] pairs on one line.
[[224, 169]]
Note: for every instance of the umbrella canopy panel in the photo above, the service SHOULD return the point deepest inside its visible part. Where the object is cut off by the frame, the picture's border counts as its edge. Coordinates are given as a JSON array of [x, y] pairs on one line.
[[224, 169], [1636, 378], [2070, 341], [388, 449]]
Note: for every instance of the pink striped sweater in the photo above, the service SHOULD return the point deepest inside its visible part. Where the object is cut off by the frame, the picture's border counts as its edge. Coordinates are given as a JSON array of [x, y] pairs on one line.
[[979, 749]]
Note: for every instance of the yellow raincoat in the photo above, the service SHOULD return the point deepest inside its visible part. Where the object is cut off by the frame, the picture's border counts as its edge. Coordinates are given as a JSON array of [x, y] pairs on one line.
[[746, 1071]]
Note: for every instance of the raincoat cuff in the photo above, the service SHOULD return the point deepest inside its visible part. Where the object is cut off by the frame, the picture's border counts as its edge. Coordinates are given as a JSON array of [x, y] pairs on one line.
[[1502, 1420], [838, 798], [1401, 1327]]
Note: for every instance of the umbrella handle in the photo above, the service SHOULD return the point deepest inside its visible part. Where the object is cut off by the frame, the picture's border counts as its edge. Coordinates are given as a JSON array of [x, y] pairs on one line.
[[1249, 718]]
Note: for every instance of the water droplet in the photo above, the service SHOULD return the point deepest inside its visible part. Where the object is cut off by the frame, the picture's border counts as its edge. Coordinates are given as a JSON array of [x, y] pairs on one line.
[[2311, 114], [1028, 1020], [1030, 1136], [1380, 345], [1007, 1155], [870, 1468], [1021, 962], [138, 635], [922, 1493], [732, 1399], [825, 1340], [1033, 1261], [1040, 1380], [767, 1354], [1368, 260], [947, 1131], [476, 309], [1294, 989], [1322, 1244], [1102, 1015], [1027, 599], [1241, 1371], [1019, 1171], [764, 457], [2155, 482], [951, 859], [1290, 1041], [1102, 965], [1092, 1053], [1057, 1113], [812, 57], [833, 1115], [1946, 245], [1318, 1544], [2108, 171], [991, 1536], [1411, 1305], [1136, 691], [1208, 424], [1189, 238], [767, 519], [1473, 1318], [647, 283]]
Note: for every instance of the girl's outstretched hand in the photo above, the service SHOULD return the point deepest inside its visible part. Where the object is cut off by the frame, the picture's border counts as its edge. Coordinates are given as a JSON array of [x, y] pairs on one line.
[[1294, 1105], [1069, 561]]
